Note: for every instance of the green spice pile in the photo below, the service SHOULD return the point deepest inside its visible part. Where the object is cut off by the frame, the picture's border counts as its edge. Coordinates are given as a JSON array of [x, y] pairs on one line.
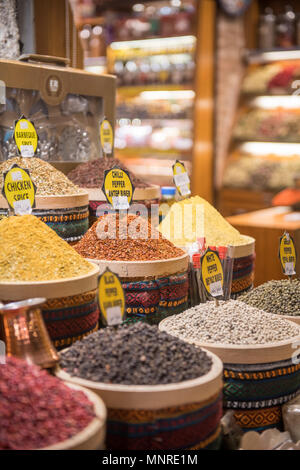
[[90, 174], [31, 251], [232, 322], [48, 180], [280, 297], [38, 410], [129, 238], [136, 354]]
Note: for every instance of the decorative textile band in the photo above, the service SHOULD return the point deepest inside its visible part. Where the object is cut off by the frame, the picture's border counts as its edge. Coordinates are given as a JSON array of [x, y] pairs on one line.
[[259, 390], [243, 405], [259, 420], [243, 274], [71, 318], [191, 426], [156, 299]]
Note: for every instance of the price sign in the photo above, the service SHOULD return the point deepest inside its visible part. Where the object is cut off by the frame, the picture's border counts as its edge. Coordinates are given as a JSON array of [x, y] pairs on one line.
[[106, 137], [118, 188], [26, 137], [212, 273], [19, 190], [181, 179], [287, 254], [111, 298]]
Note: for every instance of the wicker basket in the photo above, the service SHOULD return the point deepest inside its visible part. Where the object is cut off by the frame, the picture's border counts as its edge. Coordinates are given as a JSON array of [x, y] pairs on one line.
[[153, 289], [185, 415], [258, 379]]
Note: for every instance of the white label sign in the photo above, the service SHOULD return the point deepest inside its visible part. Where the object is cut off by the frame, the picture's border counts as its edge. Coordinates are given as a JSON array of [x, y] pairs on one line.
[[216, 289], [22, 207], [120, 202], [114, 315], [27, 150]]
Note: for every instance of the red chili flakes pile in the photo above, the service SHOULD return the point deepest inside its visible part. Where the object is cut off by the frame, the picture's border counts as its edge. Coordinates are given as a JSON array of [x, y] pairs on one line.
[[36, 409], [130, 238]]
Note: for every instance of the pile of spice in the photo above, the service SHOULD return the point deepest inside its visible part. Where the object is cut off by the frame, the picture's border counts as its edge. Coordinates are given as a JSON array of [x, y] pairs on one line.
[[90, 174], [38, 410], [193, 218], [231, 322], [127, 238], [136, 354], [47, 179], [280, 297], [31, 251]]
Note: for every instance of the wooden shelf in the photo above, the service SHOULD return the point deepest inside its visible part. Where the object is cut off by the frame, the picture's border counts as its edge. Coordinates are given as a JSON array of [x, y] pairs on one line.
[[130, 91], [233, 201], [94, 21], [143, 151]]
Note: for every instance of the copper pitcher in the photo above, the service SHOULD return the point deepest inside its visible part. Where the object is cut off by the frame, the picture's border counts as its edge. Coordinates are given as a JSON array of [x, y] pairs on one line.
[[24, 333]]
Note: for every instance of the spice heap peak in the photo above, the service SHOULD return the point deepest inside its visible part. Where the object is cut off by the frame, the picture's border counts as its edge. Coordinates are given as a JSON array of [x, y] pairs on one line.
[[90, 174], [31, 251], [48, 180], [127, 238], [194, 218]]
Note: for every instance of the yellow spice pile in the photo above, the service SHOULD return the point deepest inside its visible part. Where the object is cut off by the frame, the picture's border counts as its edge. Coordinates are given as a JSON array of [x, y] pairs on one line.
[[31, 251], [193, 218], [48, 180]]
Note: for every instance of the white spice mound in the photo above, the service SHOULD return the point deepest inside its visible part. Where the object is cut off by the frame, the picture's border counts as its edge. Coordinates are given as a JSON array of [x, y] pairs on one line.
[[232, 322]]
